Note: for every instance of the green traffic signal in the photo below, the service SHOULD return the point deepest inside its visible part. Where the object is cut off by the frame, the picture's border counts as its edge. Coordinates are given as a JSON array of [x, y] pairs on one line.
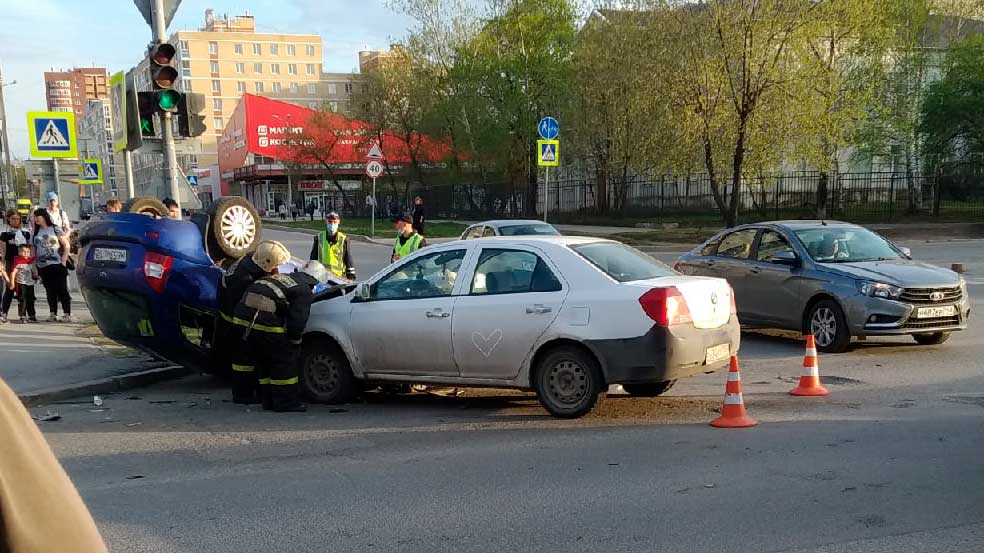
[[146, 127], [167, 100]]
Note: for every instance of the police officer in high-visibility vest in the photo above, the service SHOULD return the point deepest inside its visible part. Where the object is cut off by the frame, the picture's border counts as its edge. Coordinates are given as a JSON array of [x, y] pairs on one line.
[[407, 241], [331, 247], [237, 278], [272, 314]]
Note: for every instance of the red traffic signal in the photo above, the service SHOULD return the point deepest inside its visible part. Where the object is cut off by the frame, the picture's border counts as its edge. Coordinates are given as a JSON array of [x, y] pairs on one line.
[[162, 71]]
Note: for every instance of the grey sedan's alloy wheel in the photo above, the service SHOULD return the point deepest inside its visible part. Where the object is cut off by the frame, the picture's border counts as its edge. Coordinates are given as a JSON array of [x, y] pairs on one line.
[[829, 327], [933, 339], [568, 382], [649, 390], [326, 375]]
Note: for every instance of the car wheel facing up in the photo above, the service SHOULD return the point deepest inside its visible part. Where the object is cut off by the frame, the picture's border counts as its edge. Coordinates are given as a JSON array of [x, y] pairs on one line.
[[235, 227], [568, 382], [648, 390], [934, 339], [827, 323], [327, 376]]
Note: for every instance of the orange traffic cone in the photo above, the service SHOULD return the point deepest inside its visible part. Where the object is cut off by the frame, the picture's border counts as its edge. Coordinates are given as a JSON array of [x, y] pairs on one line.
[[809, 384], [733, 413]]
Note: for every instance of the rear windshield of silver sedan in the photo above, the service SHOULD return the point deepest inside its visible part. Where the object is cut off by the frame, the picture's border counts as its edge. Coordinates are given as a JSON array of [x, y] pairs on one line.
[[621, 262], [528, 230], [846, 245]]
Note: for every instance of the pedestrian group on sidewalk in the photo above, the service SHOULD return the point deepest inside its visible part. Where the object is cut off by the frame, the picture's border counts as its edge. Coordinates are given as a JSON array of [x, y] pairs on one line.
[[37, 251]]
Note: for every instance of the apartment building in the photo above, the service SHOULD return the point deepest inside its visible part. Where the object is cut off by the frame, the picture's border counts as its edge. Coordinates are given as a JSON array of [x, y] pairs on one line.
[[96, 141], [71, 90], [334, 92], [228, 57]]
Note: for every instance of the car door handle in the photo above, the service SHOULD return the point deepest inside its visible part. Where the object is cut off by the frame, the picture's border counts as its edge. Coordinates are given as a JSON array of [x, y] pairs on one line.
[[755, 270], [438, 314], [538, 309], [709, 263]]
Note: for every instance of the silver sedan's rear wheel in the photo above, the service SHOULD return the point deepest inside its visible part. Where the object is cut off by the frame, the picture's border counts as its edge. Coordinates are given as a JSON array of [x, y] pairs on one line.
[[568, 382], [829, 327]]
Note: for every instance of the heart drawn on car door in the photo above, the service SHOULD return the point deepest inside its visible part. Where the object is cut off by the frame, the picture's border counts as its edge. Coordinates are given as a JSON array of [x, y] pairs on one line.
[[486, 344]]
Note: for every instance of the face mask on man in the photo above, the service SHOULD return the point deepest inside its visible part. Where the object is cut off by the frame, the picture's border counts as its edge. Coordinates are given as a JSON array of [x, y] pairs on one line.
[[332, 227]]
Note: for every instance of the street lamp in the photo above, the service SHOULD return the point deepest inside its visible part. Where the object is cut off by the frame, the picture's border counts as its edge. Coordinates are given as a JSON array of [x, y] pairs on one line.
[[5, 144]]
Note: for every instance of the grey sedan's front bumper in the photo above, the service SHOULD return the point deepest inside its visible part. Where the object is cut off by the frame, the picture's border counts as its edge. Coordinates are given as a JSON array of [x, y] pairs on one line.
[[664, 353], [894, 318]]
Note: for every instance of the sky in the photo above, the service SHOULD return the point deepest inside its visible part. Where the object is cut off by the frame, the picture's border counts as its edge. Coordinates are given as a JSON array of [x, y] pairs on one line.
[[38, 35]]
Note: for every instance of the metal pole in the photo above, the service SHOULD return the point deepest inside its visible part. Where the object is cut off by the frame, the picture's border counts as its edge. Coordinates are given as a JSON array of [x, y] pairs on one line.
[[128, 165], [546, 194], [170, 158], [54, 165], [372, 228], [8, 169]]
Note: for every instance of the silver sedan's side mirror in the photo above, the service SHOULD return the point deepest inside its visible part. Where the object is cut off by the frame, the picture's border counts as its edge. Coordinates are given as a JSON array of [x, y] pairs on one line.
[[906, 252], [363, 292]]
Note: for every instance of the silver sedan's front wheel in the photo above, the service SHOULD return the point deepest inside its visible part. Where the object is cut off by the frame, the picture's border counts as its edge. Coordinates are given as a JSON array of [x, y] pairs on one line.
[[829, 327]]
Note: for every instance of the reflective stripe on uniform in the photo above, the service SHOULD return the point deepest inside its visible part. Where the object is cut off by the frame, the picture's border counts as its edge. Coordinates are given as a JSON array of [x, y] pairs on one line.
[[263, 381], [248, 324], [243, 368], [276, 289], [283, 382]]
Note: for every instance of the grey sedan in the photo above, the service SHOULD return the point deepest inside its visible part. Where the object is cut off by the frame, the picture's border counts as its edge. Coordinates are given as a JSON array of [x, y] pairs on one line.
[[834, 280]]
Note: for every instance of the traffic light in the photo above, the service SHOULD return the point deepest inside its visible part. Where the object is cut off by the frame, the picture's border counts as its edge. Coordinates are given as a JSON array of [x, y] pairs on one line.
[[134, 134], [191, 122], [147, 106], [164, 76]]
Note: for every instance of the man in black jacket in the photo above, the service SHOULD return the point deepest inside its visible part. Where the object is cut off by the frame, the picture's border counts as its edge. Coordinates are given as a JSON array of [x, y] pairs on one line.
[[272, 315]]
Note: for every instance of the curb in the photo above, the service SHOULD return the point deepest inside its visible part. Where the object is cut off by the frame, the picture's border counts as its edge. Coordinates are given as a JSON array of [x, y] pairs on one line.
[[103, 385]]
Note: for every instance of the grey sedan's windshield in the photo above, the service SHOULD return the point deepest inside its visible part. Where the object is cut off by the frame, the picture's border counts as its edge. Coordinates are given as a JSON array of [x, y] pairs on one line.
[[846, 245], [528, 230]]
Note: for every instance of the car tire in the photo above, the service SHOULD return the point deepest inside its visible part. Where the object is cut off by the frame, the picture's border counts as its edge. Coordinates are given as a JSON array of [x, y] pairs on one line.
[[568, 382], [652, 389], [234, 228], [326, 375], [827, 323], [146, 206], [934, 339]]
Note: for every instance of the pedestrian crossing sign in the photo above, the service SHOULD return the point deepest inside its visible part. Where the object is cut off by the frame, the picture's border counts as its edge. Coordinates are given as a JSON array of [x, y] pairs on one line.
[[90, 172], [52, 134], [548, 153]]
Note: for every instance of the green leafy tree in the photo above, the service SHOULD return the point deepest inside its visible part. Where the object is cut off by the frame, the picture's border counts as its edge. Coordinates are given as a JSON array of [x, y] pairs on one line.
[[952, 119]]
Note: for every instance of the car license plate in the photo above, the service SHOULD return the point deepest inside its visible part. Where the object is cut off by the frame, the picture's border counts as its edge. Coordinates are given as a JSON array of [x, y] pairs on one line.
[[109, 254], [936, 312], [717, 354]]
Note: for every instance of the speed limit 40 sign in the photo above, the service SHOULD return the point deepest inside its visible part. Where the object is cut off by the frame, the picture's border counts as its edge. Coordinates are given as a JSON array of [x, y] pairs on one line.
[[374, 169]]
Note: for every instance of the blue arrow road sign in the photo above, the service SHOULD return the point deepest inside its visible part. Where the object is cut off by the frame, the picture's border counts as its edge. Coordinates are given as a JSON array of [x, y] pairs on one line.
[[549, 128]]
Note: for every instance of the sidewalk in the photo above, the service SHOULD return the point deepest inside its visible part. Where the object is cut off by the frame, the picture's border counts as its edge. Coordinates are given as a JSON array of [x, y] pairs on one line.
[[46, 357]]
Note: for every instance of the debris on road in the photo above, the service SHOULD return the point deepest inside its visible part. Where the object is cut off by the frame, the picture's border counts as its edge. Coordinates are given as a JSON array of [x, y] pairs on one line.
[[48, 417]]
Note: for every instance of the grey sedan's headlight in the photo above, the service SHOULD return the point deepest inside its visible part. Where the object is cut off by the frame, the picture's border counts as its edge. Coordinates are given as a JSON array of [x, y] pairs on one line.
[[963, 287], [879, 290]]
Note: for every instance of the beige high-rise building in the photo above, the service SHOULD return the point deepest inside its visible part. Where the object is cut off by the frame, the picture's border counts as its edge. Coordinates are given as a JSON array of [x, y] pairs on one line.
[[228, 57]]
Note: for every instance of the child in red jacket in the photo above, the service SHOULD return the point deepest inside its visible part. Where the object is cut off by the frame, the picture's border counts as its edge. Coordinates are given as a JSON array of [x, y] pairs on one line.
[[23, 275]]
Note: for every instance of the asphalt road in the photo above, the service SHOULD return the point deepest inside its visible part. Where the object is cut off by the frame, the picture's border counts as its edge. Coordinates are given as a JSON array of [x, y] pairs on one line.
[[890, 461]]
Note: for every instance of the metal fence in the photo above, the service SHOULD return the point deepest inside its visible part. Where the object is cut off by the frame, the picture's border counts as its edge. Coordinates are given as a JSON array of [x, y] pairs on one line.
[[863, 197]]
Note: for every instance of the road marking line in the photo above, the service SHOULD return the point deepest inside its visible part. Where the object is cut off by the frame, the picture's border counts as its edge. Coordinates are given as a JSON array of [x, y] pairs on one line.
[[43, 346]]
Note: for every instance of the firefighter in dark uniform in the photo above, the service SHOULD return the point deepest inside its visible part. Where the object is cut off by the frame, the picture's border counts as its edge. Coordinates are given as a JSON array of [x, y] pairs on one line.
[[237, 278], [273, 313]]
